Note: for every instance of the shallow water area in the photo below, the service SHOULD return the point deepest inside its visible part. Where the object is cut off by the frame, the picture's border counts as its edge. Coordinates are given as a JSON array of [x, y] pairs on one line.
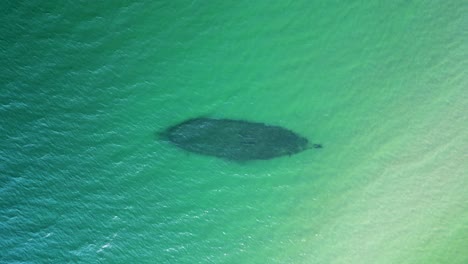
[[381, 85]]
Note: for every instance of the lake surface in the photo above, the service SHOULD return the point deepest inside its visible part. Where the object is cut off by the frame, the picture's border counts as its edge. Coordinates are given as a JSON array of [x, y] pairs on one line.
[[382, 85]]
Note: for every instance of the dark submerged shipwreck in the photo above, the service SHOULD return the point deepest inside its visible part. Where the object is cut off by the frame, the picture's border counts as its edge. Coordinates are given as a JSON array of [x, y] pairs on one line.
[[235, 140]]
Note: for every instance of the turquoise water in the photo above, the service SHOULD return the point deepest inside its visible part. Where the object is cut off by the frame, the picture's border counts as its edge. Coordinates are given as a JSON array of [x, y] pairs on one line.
[[85, 87]]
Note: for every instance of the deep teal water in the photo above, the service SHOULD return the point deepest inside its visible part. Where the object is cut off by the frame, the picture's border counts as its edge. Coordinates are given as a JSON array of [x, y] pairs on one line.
[[85, 87]]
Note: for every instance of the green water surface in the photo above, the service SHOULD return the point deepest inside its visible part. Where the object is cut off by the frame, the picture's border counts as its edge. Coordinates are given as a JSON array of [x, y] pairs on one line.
[[85, 86]]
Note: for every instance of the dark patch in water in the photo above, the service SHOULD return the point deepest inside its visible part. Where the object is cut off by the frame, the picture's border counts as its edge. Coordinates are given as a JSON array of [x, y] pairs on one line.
[[235, 139]]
